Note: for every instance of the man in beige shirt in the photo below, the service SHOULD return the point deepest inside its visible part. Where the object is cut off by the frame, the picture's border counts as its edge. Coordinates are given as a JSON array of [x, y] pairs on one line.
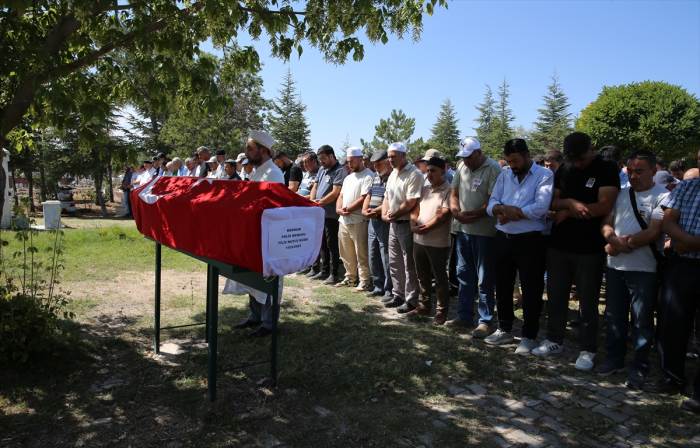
[[403, 191], [352, 228], [471, 189], [430, 224]]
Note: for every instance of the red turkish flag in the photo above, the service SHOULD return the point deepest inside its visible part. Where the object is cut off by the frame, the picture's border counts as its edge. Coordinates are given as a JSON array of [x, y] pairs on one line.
[[221, 219]]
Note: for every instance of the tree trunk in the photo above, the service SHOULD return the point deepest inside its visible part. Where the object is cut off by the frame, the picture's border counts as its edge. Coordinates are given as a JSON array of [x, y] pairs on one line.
[[110, 187], [42, 180], [30, 181], [14, 187], [98, 192], [3, 178]]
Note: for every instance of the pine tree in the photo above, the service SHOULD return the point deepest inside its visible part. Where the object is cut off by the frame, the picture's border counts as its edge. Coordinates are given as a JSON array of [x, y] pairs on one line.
[[502, 130], [445, 132], [288, 124], [553, 120], [486, 121], [397, 128]]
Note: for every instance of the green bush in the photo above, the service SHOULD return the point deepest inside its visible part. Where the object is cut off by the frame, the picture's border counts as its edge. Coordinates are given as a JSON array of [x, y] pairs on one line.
[[31, 309]]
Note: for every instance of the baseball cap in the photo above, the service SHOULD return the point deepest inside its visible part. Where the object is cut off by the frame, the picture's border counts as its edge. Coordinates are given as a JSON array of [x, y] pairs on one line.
[[467, 146], [378, 155], [429, 154]]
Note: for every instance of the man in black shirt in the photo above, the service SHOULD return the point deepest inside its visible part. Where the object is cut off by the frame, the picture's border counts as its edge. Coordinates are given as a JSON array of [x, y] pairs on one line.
[[292, 173], [585, 190]]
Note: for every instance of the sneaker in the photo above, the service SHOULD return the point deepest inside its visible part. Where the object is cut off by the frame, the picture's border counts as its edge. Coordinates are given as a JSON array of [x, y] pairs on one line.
[[499, 337], [312, 273], [547, 348], [481, 331], [345, 282], [609, 368], [387, 298], [363, 288], [635, 379], [375, 293], [331, 280], [320, 276], [526, 346], [440, 318], [691, 404], [585, 360]]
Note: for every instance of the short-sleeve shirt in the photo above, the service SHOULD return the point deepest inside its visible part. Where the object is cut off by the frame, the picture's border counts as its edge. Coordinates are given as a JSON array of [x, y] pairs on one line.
[[432, 200], [686, 199], [306, 183], [354, 186], [326, 180], [403, 185], [474, 189], [376, 190], [625, 223], [292, 173], [583, 236], [267, 172]]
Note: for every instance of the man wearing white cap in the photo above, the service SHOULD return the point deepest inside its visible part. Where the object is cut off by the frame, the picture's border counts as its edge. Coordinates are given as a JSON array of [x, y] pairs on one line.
[[429, 154], [259, 155], [471, 189], [352, 228], [403, 191], [213, 165], [203, 155], [239, 163]]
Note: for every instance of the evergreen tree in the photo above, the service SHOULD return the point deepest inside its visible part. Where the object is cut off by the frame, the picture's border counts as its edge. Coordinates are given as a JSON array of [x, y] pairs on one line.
[[486, 122], [553, 120], [445, 132], [502, 130], [397, 128], [288, 124]]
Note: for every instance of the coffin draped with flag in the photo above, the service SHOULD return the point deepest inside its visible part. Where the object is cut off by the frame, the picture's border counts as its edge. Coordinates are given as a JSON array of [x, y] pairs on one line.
[[260, 226]]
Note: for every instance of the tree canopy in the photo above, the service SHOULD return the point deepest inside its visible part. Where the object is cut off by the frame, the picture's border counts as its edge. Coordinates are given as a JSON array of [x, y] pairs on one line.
[[288, 123], [553, 120], [651, 115], [445, 133]]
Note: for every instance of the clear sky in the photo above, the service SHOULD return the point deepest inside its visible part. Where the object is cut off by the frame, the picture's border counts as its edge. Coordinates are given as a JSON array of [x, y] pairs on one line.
[[589, 44]]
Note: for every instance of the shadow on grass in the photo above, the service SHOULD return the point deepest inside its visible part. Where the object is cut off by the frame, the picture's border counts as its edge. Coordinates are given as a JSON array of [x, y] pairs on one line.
[[348, 377]]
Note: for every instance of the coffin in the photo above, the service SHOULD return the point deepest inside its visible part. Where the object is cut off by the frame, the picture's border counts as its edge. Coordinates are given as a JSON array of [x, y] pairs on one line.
[[260, 226]]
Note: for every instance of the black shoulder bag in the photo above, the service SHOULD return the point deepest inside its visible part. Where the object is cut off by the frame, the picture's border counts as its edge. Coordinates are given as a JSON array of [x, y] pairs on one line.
[[660, 259]]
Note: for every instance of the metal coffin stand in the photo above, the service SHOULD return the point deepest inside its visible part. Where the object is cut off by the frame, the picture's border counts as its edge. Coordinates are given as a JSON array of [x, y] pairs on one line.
[[214, 270]]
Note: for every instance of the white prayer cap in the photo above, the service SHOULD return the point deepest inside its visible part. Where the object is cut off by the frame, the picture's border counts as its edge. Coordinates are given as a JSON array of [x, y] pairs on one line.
[[397, 146], [262, 138], [354, 151], [467, 146], [212, 160], [240, 157]]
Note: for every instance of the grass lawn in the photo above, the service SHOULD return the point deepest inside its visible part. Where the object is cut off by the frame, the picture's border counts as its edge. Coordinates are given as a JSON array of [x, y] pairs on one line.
[[351, 373]]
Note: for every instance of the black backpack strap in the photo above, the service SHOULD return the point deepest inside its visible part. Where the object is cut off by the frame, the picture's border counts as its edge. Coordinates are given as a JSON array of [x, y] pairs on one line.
[[633, 200]]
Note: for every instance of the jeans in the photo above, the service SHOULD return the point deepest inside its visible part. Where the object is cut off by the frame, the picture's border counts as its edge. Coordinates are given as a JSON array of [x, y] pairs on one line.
[[401, 263], [378, 242], [523, 254], [637, 290], [127, 204], [586, 270], [680, 299], [476, 273], [431, 263], [330, 253]]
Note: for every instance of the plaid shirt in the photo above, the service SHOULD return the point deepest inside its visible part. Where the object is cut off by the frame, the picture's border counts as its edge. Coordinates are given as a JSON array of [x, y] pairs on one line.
[[686, 199]]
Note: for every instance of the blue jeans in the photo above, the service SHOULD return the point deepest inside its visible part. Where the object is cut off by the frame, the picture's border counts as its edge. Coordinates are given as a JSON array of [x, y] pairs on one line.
[[378, 244], [476, 276], [639, 291]]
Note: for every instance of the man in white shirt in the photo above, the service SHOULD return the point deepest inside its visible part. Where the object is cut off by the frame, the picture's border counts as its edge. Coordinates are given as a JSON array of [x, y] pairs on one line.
[[265, 170], [632, 232], [352, 229]]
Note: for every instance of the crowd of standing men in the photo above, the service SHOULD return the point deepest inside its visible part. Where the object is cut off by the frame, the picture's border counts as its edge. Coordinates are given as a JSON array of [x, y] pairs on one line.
[[406, 231]]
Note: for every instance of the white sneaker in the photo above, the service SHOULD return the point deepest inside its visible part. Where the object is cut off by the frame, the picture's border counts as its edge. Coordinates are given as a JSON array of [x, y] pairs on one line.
[[547, 348], [499, 337], [585, 360], [526, 345]]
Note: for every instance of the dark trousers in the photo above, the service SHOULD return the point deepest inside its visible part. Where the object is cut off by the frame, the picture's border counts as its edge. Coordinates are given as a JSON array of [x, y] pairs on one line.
[[523, 254], [378, 244], [586, 270], [330, 254], [680, 297], [636, 292], [431, 263]]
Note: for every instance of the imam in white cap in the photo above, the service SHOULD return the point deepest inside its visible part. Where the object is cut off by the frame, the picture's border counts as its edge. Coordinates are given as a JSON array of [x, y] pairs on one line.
[[262, 138], [240, 157], [397, 146], [354, 151], [467, 146]]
